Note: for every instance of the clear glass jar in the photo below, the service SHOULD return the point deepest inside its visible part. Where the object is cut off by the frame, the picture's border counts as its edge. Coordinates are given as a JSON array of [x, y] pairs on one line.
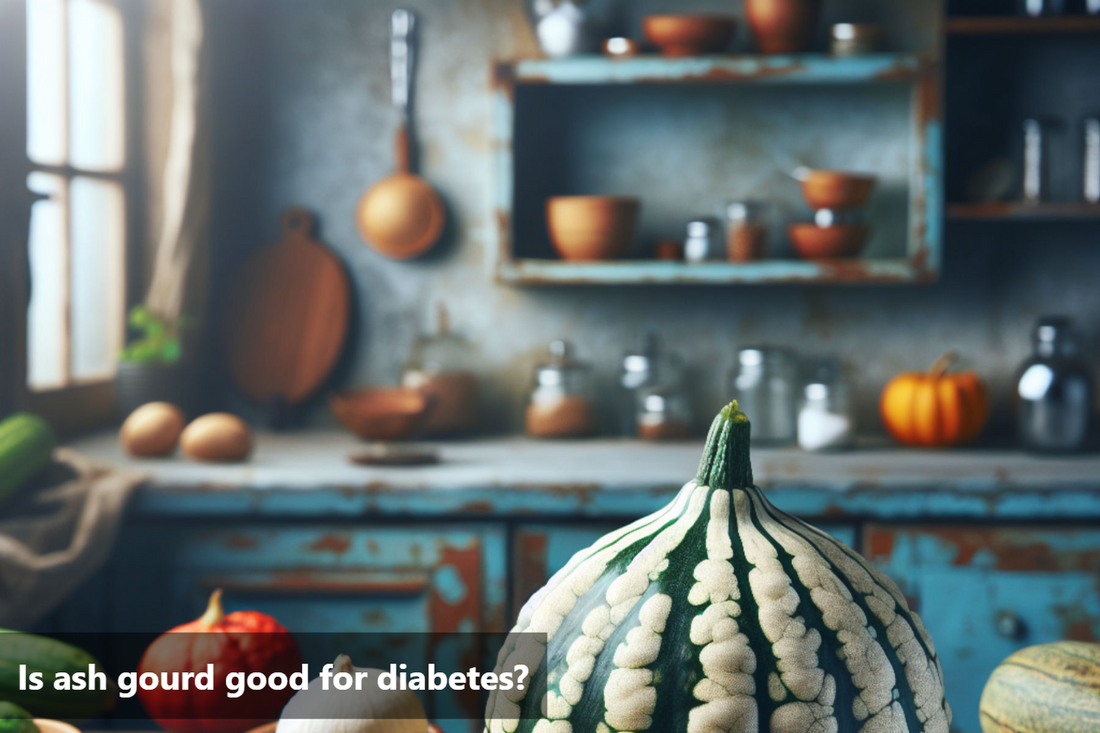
[[649, 364], [1054, 391], [826, 420], [701, 244], [561, 403], [747, 230], [764, 384], [664, 413], [441, 364]]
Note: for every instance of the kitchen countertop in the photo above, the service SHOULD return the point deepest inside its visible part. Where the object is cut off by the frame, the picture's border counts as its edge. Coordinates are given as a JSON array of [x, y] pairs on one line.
[[308, 474]]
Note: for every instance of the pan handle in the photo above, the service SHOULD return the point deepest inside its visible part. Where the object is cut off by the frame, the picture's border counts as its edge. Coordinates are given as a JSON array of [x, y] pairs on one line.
[[401, 57], [402, 23]]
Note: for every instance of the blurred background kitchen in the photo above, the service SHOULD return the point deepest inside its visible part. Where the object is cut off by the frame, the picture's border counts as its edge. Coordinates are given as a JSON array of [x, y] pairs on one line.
[[524, 250]]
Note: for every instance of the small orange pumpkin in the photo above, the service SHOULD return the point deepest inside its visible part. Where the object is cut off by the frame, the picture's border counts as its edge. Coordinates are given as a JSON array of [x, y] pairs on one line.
[[935, 409]]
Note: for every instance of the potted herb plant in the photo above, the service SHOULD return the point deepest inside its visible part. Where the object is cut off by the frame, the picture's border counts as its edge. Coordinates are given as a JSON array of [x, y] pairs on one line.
[[152, 367]]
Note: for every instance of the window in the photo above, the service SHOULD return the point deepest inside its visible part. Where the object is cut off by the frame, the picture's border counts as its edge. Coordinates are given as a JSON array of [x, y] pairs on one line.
[[76, 142]]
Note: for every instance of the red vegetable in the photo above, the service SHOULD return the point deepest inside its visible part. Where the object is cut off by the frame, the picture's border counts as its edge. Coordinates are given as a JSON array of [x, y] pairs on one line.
[[244, 641]]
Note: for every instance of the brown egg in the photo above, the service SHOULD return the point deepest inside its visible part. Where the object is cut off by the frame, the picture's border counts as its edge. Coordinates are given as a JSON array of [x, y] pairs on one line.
[[218, 436], [152, 430]]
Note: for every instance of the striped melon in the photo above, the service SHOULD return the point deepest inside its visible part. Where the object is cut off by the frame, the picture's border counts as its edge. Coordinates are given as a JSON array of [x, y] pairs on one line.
[[720, 613], [1049, 688]]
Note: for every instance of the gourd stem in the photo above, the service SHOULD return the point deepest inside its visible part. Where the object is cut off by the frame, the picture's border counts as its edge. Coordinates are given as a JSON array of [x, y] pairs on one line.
[[214, 611], [942, 364], [726, 463]]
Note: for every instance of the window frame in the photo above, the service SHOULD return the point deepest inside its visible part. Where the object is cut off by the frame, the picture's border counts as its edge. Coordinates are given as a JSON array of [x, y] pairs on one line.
[[83, 404]]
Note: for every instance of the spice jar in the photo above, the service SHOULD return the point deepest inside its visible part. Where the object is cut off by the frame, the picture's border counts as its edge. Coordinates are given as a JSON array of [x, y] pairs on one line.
[[664, 413], [855, 39], [441, 365], [561, 405], [746, 230], [701, 244], [826, 421], [764, 384]]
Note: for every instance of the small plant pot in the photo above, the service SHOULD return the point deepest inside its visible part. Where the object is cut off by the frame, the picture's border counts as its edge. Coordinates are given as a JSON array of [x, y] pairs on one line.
[[138, 383]]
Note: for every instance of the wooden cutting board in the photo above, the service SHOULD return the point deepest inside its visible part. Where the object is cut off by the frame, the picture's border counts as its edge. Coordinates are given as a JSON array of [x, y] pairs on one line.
[[286, 317]]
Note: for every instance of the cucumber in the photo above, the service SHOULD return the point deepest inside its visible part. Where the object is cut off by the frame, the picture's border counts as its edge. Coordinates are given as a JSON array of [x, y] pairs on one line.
[[49, 656], [26, 444], [14, 719]]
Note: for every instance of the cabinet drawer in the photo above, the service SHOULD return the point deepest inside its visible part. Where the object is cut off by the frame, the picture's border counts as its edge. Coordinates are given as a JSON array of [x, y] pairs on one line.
[[319, 578], [540, 550], [984, 592]]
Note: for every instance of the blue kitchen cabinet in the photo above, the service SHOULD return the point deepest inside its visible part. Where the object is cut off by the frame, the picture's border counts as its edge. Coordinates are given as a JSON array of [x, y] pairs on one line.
[[984, 592], [375, 593]]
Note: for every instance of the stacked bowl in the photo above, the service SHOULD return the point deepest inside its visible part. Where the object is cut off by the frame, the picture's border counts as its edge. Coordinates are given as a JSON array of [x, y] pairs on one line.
[[836, 198]]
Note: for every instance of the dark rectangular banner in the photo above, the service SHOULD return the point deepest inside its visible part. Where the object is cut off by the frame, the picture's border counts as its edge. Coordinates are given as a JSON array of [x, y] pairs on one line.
[[187, 681]]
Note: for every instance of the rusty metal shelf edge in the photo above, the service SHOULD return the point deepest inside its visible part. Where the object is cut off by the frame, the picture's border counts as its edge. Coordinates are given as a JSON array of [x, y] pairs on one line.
[[549, 272], [794, 69]]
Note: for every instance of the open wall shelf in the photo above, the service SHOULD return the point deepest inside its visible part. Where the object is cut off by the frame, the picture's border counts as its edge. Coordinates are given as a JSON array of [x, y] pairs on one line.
[[1017, 211], [652, 69], [686, 134], [1016, 25], [657, 272]]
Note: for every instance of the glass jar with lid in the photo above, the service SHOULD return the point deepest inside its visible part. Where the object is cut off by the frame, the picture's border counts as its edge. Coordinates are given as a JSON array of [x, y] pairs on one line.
[[647, 365], [702, 241], [1054, 391], [664, 413], [764, 382], [441, 365], [747, 230], [826, 420], [561, 404]]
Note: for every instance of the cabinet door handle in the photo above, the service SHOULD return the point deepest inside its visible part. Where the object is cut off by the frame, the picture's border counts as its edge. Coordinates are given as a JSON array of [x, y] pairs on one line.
[[302, 583], [1010, 626]]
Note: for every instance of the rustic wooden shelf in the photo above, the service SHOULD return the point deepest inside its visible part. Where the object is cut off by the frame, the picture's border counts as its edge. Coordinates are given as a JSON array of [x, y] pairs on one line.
[[658, 272], [534, 104], [1017, 211], [1012, 25], [656, 69]]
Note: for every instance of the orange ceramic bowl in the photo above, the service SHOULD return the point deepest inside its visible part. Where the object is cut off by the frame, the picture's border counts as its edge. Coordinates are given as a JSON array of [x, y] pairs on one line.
[[591, 227], [813, 242], [836, 189], [689, 35], [383, 413]]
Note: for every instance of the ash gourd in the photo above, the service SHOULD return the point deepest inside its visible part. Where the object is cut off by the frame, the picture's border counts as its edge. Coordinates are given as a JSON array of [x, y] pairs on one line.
[[721, 613]]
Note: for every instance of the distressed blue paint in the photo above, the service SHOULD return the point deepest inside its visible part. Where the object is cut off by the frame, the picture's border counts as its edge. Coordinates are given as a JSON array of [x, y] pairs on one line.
[[934, 194], [976, 499], [799, 69], [641, 272], [449, 585]]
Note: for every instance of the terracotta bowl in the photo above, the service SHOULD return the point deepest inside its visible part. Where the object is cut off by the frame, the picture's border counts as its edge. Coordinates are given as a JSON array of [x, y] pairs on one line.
[[591, 227], [383, 413], [689, 35], [836, 189], [816, 242]]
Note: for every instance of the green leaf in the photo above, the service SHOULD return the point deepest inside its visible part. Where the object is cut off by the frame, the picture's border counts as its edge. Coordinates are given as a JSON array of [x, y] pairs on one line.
[[171, 352]]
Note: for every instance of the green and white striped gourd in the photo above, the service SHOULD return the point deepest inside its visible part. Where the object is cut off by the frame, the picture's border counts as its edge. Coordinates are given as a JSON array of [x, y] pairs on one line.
[[721, 613]]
